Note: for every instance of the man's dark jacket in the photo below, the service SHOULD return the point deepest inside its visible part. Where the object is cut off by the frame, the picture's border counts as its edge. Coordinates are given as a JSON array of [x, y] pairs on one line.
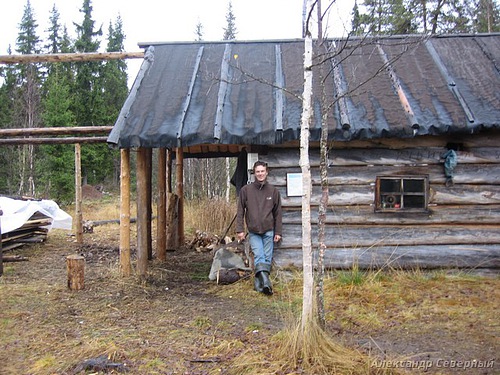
[[260, 205]]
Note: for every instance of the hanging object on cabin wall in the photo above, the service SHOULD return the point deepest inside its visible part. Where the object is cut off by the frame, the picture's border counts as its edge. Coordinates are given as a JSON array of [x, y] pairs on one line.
[[450, 162]]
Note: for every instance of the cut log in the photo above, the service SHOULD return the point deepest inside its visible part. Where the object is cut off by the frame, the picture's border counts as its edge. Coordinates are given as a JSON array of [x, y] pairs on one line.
[[75, 265], [229, 276], [14, 258]]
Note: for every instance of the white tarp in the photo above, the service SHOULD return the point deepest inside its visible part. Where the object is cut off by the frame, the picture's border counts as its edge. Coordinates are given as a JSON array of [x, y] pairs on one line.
[[17, 212]]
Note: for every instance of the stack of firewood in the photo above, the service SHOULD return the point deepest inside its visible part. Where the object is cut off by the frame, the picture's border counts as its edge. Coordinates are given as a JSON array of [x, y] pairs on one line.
[[205, 242], [32, 231]]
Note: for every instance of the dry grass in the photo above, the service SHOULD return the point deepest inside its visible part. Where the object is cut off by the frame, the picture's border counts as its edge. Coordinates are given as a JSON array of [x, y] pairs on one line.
[[211, 215], [179, 323]]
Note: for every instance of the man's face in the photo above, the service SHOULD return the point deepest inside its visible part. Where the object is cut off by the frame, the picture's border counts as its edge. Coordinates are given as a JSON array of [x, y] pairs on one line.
[[260, 173]]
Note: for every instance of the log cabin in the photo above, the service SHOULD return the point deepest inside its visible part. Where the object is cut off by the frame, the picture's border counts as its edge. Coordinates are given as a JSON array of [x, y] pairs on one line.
[[413, 139]]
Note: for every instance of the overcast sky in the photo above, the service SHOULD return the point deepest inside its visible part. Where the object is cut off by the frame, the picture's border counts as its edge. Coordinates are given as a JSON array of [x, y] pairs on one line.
[[173, 20]]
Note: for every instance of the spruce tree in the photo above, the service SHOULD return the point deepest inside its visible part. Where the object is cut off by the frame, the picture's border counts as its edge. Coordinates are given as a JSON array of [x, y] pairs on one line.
[[56, 165], [114, 90], [388, 17], [356, 22], [199, 31], [230, 29], [8, 154], [87, 73], [96, 160], [27, 99], [114, 75]]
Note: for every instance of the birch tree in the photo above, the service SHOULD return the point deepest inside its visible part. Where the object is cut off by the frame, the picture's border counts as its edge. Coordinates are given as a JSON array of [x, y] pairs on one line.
[[307, 114]]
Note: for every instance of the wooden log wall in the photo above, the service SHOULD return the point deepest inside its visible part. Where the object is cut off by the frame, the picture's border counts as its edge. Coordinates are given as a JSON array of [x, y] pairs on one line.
[[465, 214]]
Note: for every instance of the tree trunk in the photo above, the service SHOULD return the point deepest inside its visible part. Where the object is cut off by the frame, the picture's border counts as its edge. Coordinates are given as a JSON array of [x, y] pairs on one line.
[[323, 204], [307, 113]]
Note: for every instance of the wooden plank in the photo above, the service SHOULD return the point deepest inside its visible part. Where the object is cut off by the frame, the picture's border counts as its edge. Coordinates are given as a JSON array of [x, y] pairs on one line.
[[289, 158], [485, 139], [365, 215], [400, 257], [395, 235], [365, 195], [465, 194], [356, 175]]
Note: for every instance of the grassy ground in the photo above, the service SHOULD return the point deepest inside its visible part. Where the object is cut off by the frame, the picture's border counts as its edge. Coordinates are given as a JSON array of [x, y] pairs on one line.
[[438, 322]]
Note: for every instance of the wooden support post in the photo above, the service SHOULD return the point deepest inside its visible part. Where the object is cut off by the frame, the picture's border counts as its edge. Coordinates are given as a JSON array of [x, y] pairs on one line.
[[169, 171], [75, 266], [161, 228], [149, 207], [179, 164], [142, 213], [125, 265], [1, 251], [78, 194], [172, 222]]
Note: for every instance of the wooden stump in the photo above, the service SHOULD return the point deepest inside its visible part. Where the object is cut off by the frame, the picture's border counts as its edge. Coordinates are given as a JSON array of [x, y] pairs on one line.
[[75, 265]]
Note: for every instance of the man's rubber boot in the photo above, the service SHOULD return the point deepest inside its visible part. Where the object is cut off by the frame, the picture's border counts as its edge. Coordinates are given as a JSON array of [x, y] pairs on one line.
[[257, 284], [266, 283], [262, 271]]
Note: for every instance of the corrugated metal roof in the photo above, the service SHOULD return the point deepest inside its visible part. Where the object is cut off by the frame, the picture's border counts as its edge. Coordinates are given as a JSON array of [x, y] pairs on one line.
[[248, 92]]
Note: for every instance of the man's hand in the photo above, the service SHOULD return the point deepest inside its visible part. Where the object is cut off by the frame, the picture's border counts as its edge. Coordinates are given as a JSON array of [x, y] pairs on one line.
[[241, 236], [277, 238]]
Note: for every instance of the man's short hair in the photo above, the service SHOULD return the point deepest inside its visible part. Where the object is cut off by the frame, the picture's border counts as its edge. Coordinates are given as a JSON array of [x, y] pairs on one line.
[[259, 163]]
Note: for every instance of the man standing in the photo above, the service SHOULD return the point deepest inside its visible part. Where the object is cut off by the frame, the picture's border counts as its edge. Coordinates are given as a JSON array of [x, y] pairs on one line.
[[259, 203]]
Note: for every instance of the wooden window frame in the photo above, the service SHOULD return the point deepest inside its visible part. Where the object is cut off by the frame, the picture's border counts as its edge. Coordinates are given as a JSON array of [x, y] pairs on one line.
[[393, 200]]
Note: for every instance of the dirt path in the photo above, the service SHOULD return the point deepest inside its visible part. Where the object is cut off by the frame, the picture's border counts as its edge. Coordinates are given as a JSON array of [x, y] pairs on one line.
[[180, 323]]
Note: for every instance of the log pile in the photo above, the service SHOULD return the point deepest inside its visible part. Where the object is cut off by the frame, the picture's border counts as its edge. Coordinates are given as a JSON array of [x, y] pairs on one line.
[[205, 242], [32, 231]]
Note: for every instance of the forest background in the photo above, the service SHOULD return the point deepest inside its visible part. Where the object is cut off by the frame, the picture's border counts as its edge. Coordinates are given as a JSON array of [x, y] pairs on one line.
[[37, 95]]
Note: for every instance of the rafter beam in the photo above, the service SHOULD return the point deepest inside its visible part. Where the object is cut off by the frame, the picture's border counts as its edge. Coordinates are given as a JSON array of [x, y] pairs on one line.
[[69, 57]]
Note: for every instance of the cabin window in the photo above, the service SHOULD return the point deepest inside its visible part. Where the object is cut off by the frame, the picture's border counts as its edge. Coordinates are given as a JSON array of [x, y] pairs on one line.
[[402, 193]]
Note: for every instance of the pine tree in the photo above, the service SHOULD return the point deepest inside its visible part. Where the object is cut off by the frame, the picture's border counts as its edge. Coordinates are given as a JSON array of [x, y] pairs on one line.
[[400, 18], [487, 16]]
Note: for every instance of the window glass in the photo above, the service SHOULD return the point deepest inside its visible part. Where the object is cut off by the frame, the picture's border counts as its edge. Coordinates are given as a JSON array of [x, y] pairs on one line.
[[401, 193]]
